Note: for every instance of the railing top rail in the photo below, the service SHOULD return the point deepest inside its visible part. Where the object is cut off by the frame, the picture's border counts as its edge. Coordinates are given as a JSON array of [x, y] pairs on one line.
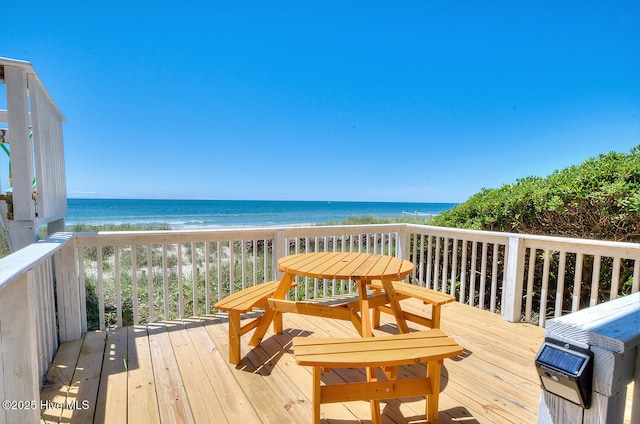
[[478, 235], [344, 229], [627, 249], [28, 68], [104, 238], [631, 250], [17, 263]]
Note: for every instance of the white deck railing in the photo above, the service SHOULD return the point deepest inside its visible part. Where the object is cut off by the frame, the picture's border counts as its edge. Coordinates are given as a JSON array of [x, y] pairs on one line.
[[31, 323], [522, 277], [123, 278], [32, 126]]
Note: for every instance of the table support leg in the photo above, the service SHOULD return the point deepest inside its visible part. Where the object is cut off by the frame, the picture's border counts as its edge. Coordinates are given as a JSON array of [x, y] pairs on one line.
[[375, 320], [365, 312], [395, 306]]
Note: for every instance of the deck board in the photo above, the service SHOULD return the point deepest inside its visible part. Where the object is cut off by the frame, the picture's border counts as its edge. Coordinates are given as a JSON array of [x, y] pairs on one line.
[[142, 405], [179, 372]]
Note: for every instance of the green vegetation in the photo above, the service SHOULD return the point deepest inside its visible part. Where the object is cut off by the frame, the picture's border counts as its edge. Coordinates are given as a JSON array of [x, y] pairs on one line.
[[598, 199]]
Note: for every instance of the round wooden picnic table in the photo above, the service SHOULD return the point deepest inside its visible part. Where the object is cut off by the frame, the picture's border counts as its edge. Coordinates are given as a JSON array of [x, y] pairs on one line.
[[346, 266], [362, 268]]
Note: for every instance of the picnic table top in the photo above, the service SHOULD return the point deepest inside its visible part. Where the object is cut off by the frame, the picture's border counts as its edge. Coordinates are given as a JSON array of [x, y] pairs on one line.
[[346, 266]]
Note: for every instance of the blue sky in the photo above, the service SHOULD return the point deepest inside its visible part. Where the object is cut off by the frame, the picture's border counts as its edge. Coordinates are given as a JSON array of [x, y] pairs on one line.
[[425, 101]]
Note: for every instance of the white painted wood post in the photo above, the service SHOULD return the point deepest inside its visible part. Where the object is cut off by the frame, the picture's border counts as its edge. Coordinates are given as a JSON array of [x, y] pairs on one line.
[[635, 406], [612, 331], [56, 226], [22, 231], [402, 247], [279, 251], [19, 380], [68, 294], [514, 276]]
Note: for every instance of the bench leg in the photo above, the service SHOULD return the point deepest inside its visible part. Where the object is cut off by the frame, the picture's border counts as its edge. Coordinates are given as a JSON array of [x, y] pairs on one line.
[[277, 323], [433, 373], [372, 375], [317, 372], [435, 316], [234, 337]]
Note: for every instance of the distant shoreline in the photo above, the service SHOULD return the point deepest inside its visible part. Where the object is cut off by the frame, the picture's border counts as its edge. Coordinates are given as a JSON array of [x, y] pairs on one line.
[[198, 214]]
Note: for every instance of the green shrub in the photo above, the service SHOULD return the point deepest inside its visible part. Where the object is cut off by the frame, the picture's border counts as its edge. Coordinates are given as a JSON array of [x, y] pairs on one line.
[[598, 199]]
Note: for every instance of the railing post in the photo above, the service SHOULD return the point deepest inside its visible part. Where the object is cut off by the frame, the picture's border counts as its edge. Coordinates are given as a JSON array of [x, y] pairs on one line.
[[635, 405], [514, 276], [22, 231], [279, 251], [68, 294], [403, 250], [19, 379], [612, 331]]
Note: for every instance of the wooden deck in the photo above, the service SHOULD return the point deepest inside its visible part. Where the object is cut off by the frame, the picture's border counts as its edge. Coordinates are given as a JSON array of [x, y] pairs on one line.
[[178, 372]]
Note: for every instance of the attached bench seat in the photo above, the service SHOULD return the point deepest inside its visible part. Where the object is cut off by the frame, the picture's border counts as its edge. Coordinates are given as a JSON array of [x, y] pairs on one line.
[[430, 297], [244, 301], [389, 352]]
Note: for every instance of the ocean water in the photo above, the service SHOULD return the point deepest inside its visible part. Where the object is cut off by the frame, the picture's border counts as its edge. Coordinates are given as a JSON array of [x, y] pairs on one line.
[[233, 213]]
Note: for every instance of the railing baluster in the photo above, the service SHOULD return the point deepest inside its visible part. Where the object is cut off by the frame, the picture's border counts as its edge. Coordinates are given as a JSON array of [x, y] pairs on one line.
[[150, 288], [560, 284], [423, 262], [83, 291], [544, 289], [636, 286], [243, 255], [472, 273], [232, 267], [531, 273], [180, 284], [100, 287], [296, 251], [494, 279], [134, 283], [436, 265], [595, 281], [454, 267], [194, 277], [219, 269], [165, 281], [254, 260], [207, 276], [577, 283], [615, 278], [116, 258], [483, 275], [463, 272], [334, 281], [445, 264]]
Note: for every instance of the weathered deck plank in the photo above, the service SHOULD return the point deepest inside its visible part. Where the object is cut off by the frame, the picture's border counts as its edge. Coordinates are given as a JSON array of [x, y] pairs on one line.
[[179, 372]]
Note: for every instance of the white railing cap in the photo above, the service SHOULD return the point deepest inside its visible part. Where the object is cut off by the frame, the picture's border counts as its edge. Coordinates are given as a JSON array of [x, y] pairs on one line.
[[29, 69]]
